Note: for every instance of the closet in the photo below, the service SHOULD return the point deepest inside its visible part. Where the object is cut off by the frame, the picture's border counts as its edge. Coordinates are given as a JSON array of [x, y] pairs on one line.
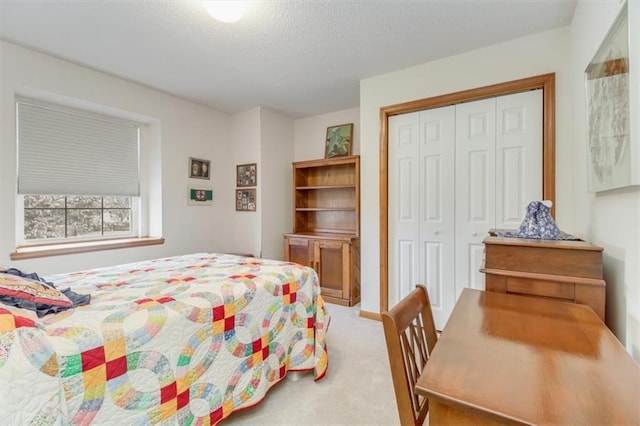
[[455, 172]]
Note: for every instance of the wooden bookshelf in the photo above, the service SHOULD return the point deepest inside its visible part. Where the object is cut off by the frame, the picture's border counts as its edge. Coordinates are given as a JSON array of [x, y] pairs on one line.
[[326, 225]]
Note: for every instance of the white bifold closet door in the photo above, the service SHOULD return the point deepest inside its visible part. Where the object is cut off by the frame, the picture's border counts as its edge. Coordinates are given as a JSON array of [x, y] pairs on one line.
[[456, 172]]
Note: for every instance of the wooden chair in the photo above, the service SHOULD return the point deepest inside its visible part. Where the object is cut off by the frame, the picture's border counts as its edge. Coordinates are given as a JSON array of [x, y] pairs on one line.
[[410, 334]]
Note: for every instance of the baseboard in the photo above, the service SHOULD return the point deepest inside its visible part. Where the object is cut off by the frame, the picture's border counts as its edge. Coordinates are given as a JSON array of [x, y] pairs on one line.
[[370, 315]]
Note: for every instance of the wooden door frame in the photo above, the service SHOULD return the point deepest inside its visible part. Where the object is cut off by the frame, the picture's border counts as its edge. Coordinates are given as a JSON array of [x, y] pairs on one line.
[[546, 82]]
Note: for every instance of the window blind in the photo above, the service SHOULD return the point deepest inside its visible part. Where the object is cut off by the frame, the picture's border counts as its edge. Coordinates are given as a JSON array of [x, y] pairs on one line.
[[72, 152]]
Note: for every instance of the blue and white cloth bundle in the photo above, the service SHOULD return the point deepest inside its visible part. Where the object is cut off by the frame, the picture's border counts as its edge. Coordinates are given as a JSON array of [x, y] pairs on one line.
[[538, 224]]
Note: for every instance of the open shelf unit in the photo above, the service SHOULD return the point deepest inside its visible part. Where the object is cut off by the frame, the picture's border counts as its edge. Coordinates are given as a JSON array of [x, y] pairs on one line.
[[326, 225], [327, 195]]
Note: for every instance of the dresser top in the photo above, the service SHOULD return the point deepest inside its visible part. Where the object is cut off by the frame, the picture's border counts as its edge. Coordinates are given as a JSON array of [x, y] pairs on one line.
[[541, 243]]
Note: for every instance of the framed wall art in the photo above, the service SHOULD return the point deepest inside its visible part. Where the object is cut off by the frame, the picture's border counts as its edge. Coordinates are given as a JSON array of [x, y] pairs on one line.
[[338, 140], [613, 156], [246, 200], [246, 175], [199, 196], [199, 168]]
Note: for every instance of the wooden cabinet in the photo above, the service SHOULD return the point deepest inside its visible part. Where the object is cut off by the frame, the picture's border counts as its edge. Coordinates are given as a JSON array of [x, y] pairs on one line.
[[326, 225], [335, 258], [565, 270]]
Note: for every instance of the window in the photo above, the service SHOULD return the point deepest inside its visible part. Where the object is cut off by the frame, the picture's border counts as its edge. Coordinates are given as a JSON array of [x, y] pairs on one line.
[[78, 174], [58, 217]]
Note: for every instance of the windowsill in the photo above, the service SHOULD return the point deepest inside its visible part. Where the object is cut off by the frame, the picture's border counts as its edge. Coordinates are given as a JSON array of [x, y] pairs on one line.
[[44, 250]]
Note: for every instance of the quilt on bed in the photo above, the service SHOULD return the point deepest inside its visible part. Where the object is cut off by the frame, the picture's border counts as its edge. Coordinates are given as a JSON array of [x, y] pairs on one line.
[[180, 340]]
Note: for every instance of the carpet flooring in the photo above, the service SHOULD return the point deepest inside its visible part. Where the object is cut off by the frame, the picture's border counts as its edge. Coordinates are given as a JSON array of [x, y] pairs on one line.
[[356, 390]]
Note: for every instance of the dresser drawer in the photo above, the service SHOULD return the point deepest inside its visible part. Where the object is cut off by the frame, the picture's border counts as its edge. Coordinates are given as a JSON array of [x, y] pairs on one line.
[[557, 290], [565, 258]]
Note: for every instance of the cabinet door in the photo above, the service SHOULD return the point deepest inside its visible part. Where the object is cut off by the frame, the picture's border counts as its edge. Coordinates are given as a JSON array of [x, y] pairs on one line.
[[299, 250], [331, 260]]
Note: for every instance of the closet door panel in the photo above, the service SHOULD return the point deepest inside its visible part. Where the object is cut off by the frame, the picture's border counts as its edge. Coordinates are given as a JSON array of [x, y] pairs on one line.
[[455, 173], [478, 188], [475, 188], [434, 271], [404, 205], [511, 178], [518, 156], [437, 226], [407, 255], [475, 258]]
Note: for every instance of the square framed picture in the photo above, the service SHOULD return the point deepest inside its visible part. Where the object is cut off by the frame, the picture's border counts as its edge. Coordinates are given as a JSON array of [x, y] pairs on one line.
[[199, 196], [246, 200], [338, 141], [199, 168], [246, 175]]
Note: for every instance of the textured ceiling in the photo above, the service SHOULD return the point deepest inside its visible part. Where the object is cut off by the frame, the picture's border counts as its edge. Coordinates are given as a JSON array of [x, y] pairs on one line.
[[299, 57]]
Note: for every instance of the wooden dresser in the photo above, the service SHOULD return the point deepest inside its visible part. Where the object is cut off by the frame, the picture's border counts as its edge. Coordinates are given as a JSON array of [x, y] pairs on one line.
[[558, 269]]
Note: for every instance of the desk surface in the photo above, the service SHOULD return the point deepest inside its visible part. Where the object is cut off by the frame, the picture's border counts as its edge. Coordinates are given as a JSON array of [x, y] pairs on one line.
[[507, 357]]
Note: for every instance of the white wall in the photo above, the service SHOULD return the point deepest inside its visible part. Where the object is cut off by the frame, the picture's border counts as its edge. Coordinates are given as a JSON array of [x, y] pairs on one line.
[[610, 219], [310, 133], [534, 55], [186, 129], [245, 149], [265, 137], [178, 130], [276, 196]]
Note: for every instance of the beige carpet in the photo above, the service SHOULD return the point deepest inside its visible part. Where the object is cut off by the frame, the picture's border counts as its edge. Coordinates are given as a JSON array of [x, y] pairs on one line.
[[357, 389]]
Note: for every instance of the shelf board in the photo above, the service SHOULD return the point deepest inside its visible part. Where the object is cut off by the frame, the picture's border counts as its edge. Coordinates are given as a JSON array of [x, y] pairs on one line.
[[309, 188], [325, 209], [325, 234]]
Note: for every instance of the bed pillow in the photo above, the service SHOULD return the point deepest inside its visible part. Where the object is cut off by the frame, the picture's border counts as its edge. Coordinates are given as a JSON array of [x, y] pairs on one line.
[[31, 290]]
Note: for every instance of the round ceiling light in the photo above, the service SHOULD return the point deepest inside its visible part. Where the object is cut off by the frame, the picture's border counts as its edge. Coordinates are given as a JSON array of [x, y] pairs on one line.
[[226, 11]]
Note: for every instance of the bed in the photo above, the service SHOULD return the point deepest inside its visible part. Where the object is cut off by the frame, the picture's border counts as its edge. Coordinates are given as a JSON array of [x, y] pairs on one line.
[[180, 340]]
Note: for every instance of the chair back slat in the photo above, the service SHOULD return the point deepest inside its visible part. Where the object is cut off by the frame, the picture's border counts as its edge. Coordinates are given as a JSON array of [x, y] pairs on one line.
[[410, 335]]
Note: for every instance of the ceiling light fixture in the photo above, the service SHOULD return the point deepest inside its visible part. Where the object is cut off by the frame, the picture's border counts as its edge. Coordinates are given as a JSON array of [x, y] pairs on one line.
[[226, 11]]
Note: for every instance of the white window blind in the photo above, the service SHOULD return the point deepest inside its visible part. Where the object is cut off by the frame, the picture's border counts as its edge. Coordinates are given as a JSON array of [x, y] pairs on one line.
[[66, 151]]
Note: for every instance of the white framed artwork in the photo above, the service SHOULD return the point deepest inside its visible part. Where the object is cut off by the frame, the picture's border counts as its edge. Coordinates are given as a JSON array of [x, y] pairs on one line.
[[612, 106]]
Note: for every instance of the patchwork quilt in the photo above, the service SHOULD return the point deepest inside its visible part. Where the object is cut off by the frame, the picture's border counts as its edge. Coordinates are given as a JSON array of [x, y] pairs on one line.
[[182, 340]]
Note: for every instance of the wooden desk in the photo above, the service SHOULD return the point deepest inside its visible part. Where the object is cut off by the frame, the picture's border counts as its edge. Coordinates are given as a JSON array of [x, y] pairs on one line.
[[505, 358]]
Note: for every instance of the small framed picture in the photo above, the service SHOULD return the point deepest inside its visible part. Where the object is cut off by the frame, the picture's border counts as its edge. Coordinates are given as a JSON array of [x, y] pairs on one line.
[[246, 200], [199, 168], [199, 196], [338, 142], [246, 175]]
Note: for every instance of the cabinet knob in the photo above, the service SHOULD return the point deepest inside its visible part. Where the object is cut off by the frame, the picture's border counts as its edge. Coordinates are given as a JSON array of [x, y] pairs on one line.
[[436, 232], [474, 234]]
